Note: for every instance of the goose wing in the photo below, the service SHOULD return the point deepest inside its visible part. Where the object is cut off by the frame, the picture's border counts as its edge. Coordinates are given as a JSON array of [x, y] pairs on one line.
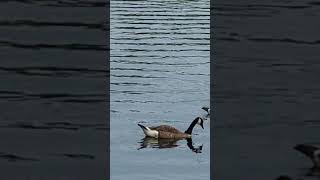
[[170, 135], [166, 128]]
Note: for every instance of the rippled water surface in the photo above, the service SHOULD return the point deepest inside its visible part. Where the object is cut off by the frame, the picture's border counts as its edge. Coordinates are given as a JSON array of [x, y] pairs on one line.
[[53, 89], [159, 75]]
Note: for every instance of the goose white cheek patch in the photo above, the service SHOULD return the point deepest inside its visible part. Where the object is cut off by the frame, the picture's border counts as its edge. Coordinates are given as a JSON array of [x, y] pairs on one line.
[[199, 121]]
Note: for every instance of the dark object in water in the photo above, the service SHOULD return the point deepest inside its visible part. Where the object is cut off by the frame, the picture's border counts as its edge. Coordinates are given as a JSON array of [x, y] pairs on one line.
[[194, 149], [284, 178], [79, 156], [310, 151], [167, 143]]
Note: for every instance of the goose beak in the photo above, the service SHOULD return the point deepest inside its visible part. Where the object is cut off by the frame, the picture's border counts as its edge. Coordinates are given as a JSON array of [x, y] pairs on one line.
[[201, 125]]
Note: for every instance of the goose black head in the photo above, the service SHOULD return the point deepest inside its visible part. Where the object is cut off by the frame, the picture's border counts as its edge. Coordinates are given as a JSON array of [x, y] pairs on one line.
[[200, 121]]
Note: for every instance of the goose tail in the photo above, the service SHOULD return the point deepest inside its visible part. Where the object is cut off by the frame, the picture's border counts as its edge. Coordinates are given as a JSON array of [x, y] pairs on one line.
[[149, 132], [143, 127]]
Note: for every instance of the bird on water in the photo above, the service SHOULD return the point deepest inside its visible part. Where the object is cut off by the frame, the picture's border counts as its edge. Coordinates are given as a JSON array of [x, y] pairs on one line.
[[311, 151], [169, 132]]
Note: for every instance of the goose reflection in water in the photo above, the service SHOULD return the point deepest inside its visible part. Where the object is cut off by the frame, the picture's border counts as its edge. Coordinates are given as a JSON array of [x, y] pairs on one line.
[[167, 143]]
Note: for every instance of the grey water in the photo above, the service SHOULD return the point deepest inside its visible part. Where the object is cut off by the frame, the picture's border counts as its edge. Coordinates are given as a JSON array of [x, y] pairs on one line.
[[159, 74]]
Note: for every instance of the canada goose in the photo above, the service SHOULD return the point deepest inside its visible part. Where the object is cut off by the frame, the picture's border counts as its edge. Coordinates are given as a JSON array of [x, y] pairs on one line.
[[169, 132], [312, 152]]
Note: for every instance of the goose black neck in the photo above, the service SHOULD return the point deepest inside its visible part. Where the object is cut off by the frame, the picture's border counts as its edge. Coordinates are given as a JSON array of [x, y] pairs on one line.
[[190, 128]]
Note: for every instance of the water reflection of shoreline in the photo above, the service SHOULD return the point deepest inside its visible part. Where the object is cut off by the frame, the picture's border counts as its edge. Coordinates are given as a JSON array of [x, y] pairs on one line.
[[149, 142]]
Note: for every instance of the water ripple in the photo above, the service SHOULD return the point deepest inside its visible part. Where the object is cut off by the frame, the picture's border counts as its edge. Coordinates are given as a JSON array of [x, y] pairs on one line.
[[55, 71], [74, 46], [59, 97], [14, 158], [61, 3], [34, 23]]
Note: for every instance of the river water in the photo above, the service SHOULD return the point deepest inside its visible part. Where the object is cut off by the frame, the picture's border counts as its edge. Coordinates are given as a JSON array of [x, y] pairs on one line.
[[160, 74]]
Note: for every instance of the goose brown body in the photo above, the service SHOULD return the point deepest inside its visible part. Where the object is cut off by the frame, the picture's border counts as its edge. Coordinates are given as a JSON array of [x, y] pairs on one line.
[[165, 128], [171, 135], [169, 132], [166, 131]]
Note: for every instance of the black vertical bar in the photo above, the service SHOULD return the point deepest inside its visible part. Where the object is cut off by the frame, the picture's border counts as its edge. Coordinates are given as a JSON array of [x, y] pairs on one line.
[[212, 88], [108, 90], [265, 87], [54, 90]]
